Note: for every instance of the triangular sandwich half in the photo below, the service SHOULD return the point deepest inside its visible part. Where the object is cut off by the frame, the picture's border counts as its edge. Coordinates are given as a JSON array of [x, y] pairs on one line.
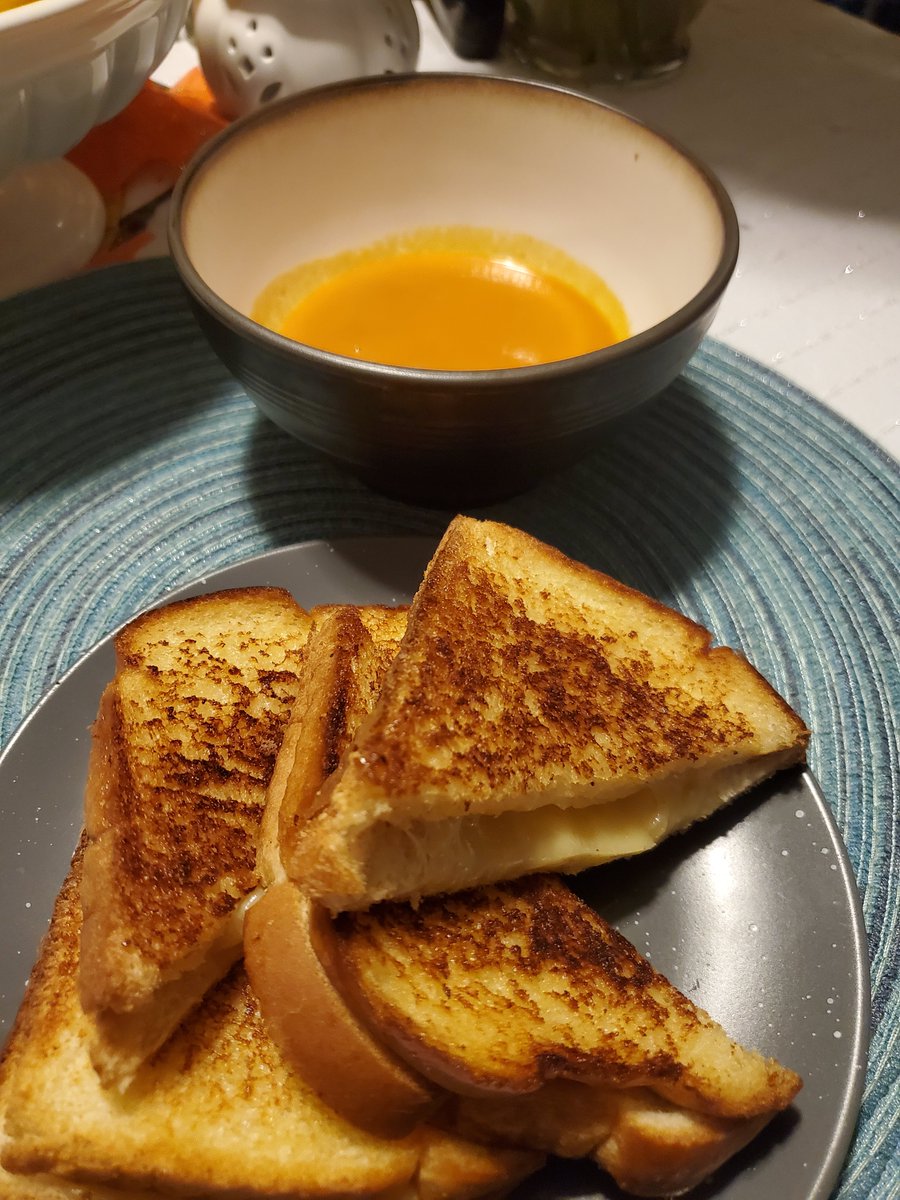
[[538, 716], [537, 1023], [183, 749], [215, 1113], [553, 1032]]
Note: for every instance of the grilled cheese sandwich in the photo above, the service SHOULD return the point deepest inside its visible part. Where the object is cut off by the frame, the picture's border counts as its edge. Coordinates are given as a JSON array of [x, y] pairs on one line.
[[538, 716], [215, 1112], [540, 1025], [183, 748]]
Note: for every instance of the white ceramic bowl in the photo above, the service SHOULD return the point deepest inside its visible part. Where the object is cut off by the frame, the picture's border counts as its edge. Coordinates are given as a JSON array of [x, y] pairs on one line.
[[67, 65], [344, 166]]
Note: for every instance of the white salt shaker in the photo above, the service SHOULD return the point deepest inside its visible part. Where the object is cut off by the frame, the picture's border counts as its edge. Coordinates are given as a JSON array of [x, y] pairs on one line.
[[256, 51]]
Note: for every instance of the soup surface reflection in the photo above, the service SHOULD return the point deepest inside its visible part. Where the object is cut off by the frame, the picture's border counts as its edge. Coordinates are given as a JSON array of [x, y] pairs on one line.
[[446, 299]]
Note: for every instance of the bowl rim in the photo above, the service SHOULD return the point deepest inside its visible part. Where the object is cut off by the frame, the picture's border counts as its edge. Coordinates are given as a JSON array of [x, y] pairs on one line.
[[662, 331]]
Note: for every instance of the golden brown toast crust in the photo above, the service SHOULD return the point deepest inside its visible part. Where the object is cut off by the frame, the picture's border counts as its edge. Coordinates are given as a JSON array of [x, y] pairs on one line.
[[503, 989], [183, 748], [524, 666], [51, 1187], [347, 654], [215, 1112], [287, 937], [527, 680], [652, 1152], [308, 1019]]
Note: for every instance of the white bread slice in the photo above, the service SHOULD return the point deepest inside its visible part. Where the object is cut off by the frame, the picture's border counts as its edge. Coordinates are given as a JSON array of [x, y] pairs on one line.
[[286, 935], [287, 939], [215, 1113], [183, 749], [538, 716]]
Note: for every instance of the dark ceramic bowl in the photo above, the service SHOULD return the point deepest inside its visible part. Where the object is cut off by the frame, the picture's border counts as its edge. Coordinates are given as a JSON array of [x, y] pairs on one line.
[[344, 166]]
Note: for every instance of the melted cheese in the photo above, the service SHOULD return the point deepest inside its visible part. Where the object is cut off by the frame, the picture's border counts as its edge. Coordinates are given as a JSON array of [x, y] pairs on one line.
[[471, 850]]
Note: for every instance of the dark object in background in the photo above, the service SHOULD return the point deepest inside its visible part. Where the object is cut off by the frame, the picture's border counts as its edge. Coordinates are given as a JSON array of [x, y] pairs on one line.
[[885, 13], [472, 27]]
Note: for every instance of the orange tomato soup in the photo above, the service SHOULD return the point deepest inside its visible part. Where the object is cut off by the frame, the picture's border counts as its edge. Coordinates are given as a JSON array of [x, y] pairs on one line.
[[446, 299]]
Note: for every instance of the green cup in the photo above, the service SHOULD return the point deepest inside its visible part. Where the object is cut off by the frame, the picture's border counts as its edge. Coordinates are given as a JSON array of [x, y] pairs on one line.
[[601, 40]]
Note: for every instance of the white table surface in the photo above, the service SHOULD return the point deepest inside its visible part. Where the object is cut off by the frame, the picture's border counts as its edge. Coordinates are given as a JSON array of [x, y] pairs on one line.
[[796, 106]]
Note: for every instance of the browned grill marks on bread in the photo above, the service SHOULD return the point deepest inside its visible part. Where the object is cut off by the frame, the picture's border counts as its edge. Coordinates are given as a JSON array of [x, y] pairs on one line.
[[491, 661], [338, 686], [214, 1112], [558, 691], [530, 688], [335, 737], [506, 988], [184, 747]]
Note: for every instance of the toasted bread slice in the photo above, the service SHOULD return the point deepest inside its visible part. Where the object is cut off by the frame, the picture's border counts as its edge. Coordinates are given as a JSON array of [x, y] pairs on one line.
[[215, 1112], [649, 1146], [450, 1168], [50, 1187], [538, 716], [54, 1187], [183, 750], [554, 1033], [188, 1119], [501, 989], [347, 654], [494, 996], [47, 1187], [287, 936]]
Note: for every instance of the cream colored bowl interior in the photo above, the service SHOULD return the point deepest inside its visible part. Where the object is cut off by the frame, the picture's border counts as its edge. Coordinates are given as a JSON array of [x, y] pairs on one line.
[[349, 167]]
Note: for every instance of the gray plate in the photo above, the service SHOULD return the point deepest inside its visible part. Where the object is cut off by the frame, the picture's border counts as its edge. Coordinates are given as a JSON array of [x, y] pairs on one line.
[[755, 914]]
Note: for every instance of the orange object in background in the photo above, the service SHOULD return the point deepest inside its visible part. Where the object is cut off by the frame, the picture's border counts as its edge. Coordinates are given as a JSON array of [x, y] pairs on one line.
[[135, 158]]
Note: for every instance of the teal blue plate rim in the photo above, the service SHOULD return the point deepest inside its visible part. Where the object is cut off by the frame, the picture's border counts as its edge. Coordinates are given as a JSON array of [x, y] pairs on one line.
[[131, 463]]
